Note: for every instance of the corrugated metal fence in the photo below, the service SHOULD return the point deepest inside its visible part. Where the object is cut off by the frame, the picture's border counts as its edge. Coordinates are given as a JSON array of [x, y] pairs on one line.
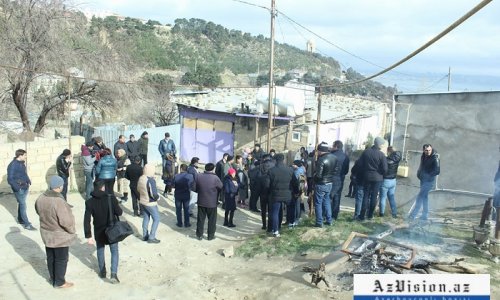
[[110, 134]]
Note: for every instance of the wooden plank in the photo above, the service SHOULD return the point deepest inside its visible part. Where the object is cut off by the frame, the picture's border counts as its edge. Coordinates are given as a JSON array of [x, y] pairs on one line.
[[205, 124], [189, 123], [223, 126]]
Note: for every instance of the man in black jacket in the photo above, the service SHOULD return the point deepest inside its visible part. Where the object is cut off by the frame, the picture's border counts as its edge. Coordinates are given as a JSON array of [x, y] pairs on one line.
[[374, 167], [253, 175], [208, 186], [280, 177], [263, 189], [63, 164], [388, 187], [325, 171], [343, 169], [427, 172], [132, 173], [132, 148]]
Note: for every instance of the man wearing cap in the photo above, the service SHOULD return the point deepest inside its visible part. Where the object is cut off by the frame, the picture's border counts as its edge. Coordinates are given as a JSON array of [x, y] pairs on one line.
[[57, 228], [323, 180], [374, 166], [63, 164]]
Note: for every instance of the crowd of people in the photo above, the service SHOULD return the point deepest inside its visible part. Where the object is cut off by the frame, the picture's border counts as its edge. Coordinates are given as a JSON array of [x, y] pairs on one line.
[[261, 182]]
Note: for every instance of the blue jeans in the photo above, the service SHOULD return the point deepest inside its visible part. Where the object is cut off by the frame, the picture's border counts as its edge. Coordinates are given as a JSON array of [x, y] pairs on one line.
[[293, 210], [89, 183], [101, 258], [322, 201], [22, 217], [423, 199], [147, 212], [387, 190], [276, 213], [179, 206], [358, 200]]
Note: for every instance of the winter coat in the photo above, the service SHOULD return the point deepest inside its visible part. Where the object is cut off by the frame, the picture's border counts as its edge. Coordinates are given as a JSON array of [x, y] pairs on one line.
[[121, 164], [374, 164], [133, 173], [258, 154], [97, 208], [280, 178], [263, 181], [208, 186], [167, 147], [357, 173], [193, 171], [62, 166], [146, 186], [106, 167], [17, 177], [429, 167], [132, 149], [326, 169], [143, 146], [392, 165], [230, 191], [253, 175], [343, 163], [183, 183], [57, 223], [243, 183]]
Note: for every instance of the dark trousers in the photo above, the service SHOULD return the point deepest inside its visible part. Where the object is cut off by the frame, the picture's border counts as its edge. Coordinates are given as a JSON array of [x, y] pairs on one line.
[[57, 262], [135, 198], [204, 212], [371, 190], [264, 209], [108, 186], [144, 158], [336, 198], [180, 205], [254, 197], [65, 188]]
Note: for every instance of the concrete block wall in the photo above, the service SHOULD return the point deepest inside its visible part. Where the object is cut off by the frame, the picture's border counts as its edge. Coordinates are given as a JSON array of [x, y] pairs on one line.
[[41, 162]]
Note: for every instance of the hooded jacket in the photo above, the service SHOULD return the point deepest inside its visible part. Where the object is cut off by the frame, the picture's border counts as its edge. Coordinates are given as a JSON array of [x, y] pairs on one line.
[[87, 159], [97, 208], [392, 165], [106, 167], [280, 182], [146, 186], [429, 167], [374, 164]]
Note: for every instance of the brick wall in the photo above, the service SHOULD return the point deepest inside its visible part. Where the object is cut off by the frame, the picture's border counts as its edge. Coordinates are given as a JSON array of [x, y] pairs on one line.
[[41, 162]]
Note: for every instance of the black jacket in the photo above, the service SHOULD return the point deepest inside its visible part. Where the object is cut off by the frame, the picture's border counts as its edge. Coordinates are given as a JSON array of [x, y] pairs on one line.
[[326, 169], [132, 149], [343, 162], [429, 167], [357, 172], [97, 207], [62, 166], [253, 175], [392, 165], [263, 178], [280, 178], [133, 172], [374, 164]]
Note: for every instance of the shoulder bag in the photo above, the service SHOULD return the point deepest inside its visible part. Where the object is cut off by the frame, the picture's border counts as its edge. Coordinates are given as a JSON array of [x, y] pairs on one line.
[[117, 230]]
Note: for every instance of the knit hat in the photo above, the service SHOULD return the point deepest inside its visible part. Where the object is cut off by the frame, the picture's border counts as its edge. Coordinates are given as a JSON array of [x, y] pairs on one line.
[[85, 150], [298, 163], [56, 182], [231, 171], [379, 142]]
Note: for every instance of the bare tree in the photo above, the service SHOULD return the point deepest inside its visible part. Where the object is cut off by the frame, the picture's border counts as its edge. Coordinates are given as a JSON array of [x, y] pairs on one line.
[[156, 93], [39, 38]]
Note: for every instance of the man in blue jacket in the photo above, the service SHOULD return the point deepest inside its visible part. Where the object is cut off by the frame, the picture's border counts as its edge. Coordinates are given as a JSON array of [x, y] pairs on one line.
[[18, 179], [167, 151], [427, 172]]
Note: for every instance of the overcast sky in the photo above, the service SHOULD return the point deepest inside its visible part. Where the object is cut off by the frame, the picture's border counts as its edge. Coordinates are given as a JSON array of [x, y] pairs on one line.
[[379, 31]]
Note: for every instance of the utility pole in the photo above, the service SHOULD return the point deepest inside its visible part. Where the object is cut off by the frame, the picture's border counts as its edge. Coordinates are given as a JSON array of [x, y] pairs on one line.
[[68, 101], [270, 109], [318, 122], [449, 78]]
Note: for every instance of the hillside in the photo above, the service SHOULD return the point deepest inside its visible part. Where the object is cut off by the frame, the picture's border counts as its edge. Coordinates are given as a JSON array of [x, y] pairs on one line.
[[197, 46]]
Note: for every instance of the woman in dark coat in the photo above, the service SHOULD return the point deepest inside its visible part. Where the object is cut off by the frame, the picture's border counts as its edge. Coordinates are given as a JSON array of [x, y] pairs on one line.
[[97, 208], [230, 192]]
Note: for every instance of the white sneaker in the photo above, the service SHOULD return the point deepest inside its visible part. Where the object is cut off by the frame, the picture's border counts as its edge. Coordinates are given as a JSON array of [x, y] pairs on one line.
[[276, 234]]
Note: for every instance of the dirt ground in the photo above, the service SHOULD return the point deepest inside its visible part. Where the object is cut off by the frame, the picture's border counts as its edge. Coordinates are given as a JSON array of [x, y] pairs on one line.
[[180, 267]]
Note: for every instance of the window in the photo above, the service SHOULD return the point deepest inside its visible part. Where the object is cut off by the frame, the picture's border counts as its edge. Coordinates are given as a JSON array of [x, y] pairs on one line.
[[295, 136]]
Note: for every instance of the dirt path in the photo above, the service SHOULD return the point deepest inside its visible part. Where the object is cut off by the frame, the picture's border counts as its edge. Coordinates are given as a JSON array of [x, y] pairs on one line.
[[180, 267]]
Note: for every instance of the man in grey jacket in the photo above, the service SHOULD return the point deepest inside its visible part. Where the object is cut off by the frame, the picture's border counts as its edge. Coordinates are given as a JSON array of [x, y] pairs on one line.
[[88, 168], [208, 186]]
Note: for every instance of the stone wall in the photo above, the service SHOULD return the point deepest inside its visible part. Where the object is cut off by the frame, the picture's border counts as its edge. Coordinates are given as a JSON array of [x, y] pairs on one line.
[[41, 162]]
